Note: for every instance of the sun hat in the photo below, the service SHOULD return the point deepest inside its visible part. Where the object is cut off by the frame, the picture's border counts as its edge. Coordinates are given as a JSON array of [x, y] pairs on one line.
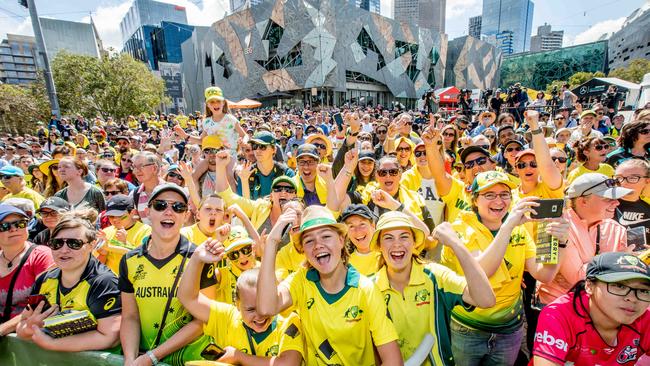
[[394, 220], [328, 143], [314, 217], [211, 142], [485, 180], [45, 166]]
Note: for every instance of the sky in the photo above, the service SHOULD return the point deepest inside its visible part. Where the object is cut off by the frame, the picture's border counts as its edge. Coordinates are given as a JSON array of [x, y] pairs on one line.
[[583, 21]]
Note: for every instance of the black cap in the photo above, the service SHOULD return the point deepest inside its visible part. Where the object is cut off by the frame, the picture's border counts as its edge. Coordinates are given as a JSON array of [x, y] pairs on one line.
[[616, 267], [472, 149], [512, 141], [358, 210], [308, 150], [367, 155], [119, 205], [167, 187], [23, 145], [55, 203]]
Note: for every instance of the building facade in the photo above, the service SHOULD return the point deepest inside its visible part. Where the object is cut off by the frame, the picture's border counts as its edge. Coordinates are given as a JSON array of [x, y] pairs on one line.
[[149, 12], [472, 64], [500, 17], [475, 26], [537, 70], [422, 13], [632, 41], [19, 59], [73, 37], [546, 39]]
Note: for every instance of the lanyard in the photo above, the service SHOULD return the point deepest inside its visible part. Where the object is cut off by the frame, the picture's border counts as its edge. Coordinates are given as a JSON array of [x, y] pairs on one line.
[[597, 239], [250, 340]]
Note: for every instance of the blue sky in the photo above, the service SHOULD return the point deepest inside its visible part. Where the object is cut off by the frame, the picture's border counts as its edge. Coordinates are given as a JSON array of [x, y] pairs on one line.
[[582, 20]]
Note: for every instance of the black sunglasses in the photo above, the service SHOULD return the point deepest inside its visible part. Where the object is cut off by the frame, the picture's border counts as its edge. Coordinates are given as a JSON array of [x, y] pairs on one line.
[[111, 193], [58, 243], [478, 162], [175, 175], [259, 147], [320, 146], [385, 172], [561, 159], [523, 165], [420, 153], [600, 147], [18, 224], [108, 170], [245, 251], [511, 149], [160, 206], [278, 189]]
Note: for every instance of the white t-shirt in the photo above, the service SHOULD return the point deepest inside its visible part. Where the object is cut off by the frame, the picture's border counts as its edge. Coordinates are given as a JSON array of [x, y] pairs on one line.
[[432, 200]]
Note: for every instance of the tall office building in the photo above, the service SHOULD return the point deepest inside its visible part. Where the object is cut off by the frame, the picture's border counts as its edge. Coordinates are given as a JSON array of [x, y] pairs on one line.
[[514, 16], [18, 59], [423, 13], [546, 39], [149, 12], [632, 41], [475, 26]]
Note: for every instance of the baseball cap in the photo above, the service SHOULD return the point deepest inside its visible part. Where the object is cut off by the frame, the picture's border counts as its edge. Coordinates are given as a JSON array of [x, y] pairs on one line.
[[211, 142], [167, 187], [587, 113], [119, 205], [284, 179], [55, 203], [358, 210], [237, 238], [598, 184], [524, 153], [617, 266], [472, 149], [13, 171], [485, 180], [23, 145], [512, 141], [6, 210], [307, 150], [367, 155], [213, 93], [263, 138]]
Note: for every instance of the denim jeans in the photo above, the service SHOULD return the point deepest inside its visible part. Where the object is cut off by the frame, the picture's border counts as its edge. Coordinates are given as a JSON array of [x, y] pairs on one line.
[[473, 347]]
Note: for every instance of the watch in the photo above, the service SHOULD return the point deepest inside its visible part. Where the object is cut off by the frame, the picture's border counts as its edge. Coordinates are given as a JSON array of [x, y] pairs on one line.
[[400, 208], [537, 131]]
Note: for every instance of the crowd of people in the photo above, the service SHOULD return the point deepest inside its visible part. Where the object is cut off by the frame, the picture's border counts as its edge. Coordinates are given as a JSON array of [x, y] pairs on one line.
[[351, 236]]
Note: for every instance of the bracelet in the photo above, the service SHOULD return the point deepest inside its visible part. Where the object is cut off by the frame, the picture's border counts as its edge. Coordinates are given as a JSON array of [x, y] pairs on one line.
[[537, 131], [349, 133], [348, 173], [562, 245], [154, 359]]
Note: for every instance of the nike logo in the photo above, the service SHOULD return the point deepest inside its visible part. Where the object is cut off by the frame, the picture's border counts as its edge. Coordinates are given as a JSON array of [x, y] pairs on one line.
[[625, 222]]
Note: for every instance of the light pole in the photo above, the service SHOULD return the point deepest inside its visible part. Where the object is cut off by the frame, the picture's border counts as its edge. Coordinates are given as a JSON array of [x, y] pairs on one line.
[[40, 43]]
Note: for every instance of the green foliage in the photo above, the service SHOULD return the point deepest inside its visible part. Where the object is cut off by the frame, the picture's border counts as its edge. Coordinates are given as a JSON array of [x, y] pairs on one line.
[[22, 106], [633, 72], [555, 83], [115, 86]]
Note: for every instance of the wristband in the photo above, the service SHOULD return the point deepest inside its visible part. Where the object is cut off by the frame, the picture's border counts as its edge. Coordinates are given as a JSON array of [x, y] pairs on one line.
[[562, 245], [349, 133], [400, 208], [537, 131], [152, 357]]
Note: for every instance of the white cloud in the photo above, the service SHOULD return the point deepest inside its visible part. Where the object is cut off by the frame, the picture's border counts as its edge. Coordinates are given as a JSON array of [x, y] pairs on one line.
[[107, 21], [463, 8], [22, 26], [597, 30], [212, 10]]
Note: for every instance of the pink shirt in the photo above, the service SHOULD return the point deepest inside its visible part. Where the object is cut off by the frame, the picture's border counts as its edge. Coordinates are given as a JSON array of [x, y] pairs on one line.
[[40, 259], [581, 248], [563, 335]]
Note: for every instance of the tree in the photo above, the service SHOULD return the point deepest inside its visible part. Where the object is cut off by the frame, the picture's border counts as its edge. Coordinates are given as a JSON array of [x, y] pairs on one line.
[[116, 85], [557, 84], [582, 77], [22, 106], [633, 72]]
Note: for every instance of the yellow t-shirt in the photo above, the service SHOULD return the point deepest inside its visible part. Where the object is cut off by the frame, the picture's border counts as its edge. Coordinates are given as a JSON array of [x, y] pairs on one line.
[[580, 170], [457, 200], [135, 236], [29, 194], [356, 318], [424, 307], [195, 235], [507, 314], [288, 261], [367, 264], [228, 276], [227, 328]]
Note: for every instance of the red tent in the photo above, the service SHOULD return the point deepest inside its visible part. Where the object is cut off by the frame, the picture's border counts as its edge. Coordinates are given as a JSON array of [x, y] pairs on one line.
[[448, 95]]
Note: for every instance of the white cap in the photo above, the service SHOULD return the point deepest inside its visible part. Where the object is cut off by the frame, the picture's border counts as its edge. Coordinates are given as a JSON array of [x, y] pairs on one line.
[[598, 184]]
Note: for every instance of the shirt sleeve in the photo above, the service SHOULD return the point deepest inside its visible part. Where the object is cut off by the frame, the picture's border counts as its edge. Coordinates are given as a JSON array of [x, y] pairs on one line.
[[220, 313], [552, 336], [381, 327], [124, 283], [207, 276], [450, 286], [36, 287], [103, 298], [41, 260], [294, 284]]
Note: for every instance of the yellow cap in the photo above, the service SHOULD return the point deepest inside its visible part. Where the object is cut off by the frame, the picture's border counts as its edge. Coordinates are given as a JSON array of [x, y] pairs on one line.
[[211, 142], [394, 220], [213, 93]]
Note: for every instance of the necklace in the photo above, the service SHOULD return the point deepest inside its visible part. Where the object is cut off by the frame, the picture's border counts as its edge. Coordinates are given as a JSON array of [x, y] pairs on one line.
[[10, 262]]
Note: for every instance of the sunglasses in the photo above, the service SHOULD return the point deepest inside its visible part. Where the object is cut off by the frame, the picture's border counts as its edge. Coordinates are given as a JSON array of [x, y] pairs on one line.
[[403, 149], [320, 146], [126, 160], [108, 170], [511, 149], [111, 193], [449, 134], [245, 251], [160, 206], [259, 147], [49, 213], [561, 159], [478, 162], [523, 165], [644, 131], [174, 175], [58, 243], [365, 138], [600, 147], [385, 172], [559, 118], [420, 153], [609, 183], [18, 224], [381, 132], [211, 151], [490, 136], [7, 177], [287, 189]]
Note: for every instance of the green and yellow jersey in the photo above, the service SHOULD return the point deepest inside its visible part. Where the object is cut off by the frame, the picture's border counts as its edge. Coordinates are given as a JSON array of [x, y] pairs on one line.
[[356, 318], [367, 264], [135, 236], [507, 314], [424, 307], [150, 281], [96, 291], [457, 200], [29, 194], [288, 261], [195, 235], [603, 168], [226, 327]]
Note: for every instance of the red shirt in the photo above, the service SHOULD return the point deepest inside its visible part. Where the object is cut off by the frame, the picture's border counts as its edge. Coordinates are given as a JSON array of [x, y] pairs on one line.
[[564, 335], [40, 259]]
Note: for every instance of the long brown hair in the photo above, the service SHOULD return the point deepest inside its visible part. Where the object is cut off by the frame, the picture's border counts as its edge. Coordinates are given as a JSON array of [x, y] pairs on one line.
[[225, 109]]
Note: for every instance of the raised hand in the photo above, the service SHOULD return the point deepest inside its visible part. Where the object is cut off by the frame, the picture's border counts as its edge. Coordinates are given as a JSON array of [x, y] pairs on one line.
[[245, 171], [325, 171], [445, 234], [520, 213], [211, 251], [351, 159], [382, 199]]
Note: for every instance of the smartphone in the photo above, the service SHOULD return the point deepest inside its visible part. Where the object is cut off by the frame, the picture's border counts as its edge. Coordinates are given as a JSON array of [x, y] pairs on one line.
[[548, 209], [212, 352], [34, 300], [338, 119]]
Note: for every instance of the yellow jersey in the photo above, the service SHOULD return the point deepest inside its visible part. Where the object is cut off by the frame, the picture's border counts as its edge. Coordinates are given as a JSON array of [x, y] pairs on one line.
[[457, 200], [226, 327], [507, 314], [29, 194], [367, 264], [287, 261], [356, 318], [424, 307], [605, 169], [135, 236]]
